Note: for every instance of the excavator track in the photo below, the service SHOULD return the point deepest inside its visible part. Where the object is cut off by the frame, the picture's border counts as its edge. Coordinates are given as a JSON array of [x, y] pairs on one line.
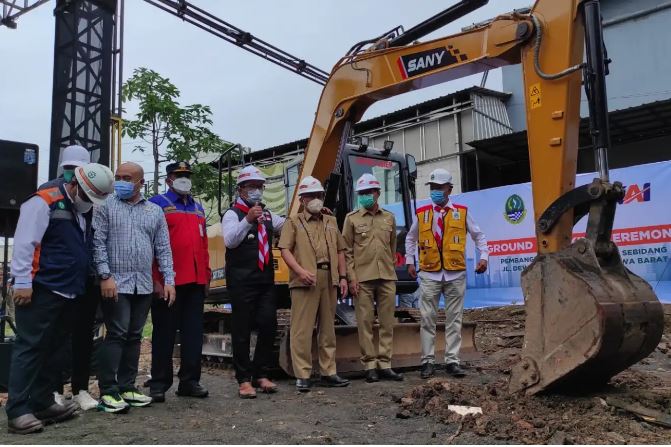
[[217, 350]]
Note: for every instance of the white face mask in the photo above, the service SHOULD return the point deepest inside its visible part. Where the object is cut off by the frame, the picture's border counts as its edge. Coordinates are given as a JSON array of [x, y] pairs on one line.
[[255, 195], [81, 205], [315, 206], [182, 185]]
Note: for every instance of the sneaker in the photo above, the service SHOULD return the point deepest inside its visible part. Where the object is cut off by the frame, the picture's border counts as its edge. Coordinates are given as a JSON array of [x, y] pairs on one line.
[[113, 403], [85, 401], [135, 398], [59, 398]]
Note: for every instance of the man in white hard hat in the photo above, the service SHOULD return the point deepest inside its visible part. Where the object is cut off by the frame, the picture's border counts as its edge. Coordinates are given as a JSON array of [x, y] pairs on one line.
[[72, 157], [78, 353], [314, 250], [439, 232], [51, 234], [248, 229], [370, 241]]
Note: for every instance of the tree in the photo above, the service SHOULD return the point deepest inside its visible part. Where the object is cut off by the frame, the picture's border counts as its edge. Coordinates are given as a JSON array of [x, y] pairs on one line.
[[172, 131]]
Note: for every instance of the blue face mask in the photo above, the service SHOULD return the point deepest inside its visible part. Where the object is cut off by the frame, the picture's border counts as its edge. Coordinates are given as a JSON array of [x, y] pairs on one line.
[[438, 197], [123, 189]]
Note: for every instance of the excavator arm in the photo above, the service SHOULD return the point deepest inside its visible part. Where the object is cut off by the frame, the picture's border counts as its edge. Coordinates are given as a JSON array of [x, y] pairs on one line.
[[588, 317]]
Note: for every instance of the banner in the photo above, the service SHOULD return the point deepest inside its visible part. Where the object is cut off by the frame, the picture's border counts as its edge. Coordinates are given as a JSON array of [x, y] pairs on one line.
[[642, 232]]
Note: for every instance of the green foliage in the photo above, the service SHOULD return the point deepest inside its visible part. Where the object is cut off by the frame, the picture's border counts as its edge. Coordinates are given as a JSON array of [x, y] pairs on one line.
[[173, 132]]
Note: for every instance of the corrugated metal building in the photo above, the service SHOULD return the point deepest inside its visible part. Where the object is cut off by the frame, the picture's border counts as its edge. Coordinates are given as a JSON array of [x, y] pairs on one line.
[[436, 132]]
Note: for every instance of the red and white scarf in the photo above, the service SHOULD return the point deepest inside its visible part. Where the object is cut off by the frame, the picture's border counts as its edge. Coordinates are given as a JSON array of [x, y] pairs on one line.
[[264, 246], [439, 224]]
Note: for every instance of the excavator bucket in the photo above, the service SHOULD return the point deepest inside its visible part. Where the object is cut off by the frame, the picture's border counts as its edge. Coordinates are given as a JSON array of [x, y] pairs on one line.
[[586, 320], [406, 349]]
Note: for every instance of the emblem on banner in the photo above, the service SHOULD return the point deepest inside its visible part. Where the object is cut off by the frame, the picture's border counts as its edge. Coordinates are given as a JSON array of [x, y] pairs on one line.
[[515, 211]]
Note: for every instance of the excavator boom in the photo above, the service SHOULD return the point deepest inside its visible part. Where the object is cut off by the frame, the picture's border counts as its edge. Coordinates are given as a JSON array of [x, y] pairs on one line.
[[588, 317]]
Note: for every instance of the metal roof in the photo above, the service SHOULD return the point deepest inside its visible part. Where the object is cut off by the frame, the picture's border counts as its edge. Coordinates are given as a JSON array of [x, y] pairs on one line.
[[379, 121]]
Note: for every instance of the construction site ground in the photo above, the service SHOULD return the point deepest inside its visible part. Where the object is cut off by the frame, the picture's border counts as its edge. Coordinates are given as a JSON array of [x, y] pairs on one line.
[[411, 412]]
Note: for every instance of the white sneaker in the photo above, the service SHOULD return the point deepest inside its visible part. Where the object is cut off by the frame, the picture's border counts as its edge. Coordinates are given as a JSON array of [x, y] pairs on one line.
[[60, 400], [85, 401]]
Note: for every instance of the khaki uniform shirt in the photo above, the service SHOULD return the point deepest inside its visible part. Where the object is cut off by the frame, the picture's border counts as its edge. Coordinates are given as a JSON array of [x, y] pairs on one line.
[[370, 245], [312, 240]]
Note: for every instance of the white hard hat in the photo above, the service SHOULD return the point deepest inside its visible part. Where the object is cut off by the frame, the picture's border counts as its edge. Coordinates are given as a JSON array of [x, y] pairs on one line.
[[440, 177], [367, 181], [309, 184], [250, 173], [75, 155], [96, 180]]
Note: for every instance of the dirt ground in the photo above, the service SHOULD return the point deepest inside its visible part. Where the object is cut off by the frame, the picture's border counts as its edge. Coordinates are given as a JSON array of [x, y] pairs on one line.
[[411, 412]]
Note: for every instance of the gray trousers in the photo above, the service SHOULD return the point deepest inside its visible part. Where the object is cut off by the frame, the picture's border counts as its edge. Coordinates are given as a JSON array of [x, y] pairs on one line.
[[454, 308]]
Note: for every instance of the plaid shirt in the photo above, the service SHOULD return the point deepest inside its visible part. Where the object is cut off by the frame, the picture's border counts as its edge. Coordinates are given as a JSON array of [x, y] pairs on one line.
[[127, 238]]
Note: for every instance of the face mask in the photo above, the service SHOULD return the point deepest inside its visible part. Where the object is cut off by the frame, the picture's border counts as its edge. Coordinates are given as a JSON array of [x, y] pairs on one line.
[[367, 201], [123, 189], [438, 197], [81, 205], [255, 195], [68, 174], [315, 206], [182, 185]]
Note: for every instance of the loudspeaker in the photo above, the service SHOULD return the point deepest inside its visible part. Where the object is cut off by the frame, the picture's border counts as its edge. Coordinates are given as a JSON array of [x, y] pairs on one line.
[[18, 171]]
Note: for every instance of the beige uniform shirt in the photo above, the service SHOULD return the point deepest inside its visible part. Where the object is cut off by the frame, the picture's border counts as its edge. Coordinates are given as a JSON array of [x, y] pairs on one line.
[[370, 245], [312, 240]]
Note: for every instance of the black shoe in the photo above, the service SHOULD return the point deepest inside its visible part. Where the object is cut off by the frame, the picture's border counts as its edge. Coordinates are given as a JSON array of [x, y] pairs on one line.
[[24, 425], [454, 370], [303, 385], [334, 381], [57, 413], [196, 390], [427, 370], [390, 374], [157, 396], [371, 376]]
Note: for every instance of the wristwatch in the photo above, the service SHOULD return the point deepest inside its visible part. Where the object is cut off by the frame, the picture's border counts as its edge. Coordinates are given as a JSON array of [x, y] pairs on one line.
[[343, 277], [105, 276]]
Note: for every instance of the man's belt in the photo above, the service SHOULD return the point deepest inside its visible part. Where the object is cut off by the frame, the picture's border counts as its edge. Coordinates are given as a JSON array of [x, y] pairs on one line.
[[323, 265]]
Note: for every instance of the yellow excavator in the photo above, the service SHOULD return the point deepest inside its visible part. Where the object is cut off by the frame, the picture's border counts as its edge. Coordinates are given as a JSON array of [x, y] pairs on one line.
[[588, 317]]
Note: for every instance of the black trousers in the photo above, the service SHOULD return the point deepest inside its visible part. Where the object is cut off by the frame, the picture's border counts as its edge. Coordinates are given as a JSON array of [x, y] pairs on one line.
[[120, 352], [78, 351], [254, 307], [186, 314], [42, 329]]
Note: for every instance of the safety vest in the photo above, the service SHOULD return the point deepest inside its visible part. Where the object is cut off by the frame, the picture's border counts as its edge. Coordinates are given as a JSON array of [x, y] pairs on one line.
[[61, 260], [451, 254]]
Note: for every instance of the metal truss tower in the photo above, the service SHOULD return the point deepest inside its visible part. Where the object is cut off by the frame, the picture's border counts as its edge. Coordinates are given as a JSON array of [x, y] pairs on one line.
[[83, 57]]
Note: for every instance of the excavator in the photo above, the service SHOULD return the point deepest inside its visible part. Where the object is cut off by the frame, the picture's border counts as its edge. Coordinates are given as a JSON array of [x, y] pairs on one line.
[[587, 316]]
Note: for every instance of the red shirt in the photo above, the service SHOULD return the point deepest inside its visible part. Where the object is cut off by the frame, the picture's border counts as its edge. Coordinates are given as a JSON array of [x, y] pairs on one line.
[[188, 238]]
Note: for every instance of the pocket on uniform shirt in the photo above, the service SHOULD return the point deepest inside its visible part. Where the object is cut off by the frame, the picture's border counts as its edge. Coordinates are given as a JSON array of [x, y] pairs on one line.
[[362, 234]]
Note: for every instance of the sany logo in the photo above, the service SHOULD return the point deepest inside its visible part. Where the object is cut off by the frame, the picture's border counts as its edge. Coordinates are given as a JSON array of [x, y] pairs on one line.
[[634, 193]]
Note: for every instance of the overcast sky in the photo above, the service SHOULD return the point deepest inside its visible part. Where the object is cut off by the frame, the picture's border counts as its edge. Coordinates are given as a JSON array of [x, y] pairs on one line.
[[254, 102]]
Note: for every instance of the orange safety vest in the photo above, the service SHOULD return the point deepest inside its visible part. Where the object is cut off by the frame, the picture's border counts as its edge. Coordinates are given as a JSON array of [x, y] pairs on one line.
[[452, 254]]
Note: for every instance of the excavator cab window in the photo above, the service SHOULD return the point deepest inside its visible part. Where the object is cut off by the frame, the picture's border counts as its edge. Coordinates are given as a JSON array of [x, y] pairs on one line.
[[388, 172], [291, 174]]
